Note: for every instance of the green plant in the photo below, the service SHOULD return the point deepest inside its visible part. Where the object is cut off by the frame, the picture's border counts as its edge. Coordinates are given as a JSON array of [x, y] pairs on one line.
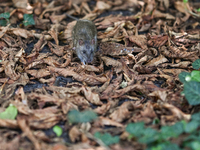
[[28, 20], [163, 139], [75, 116], [106, 138], [191, 83], [9, 113], [58, 130], [185, 1], [4, 18]]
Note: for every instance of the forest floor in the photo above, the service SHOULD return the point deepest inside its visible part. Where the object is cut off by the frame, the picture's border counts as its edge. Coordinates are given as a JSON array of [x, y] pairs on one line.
[[141, 91]]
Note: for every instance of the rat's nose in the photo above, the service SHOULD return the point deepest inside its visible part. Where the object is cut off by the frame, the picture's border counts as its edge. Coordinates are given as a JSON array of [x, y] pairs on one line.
[[89, 60]]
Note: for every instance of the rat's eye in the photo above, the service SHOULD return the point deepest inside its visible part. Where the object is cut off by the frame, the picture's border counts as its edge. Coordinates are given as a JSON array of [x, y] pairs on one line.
[[84, 51], [80, 42], [92, 41]]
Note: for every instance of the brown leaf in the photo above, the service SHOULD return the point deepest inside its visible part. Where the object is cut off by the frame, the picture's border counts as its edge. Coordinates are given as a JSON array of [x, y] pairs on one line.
[[38, 73], [148, 111], [105, 121], [74, 134], [88, 79], [90, 96], [122, 112], [58, 50], [139, 40]]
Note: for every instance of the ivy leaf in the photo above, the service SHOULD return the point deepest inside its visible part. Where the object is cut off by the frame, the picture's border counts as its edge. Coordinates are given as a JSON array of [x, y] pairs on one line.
[[192, 92], [182, 76], [28, 20], [196, 64], [106, 138], [136, 129], [5, 15], [9, 113], [75, 116], [191, 126], [172, 131], [196, 116], [149, 135], [195, 74], [165, 146], [3, 22], [58, 130]]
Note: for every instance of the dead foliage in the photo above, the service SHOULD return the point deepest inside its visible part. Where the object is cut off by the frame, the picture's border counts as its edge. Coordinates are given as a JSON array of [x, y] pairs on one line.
[[134, 76]]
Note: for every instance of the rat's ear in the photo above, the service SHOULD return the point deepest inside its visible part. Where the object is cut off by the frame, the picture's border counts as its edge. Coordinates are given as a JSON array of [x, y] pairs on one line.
[[92, 41], [80, 42]]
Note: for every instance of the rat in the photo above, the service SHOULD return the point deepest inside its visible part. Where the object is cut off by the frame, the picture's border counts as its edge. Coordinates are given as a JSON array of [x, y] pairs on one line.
[[85, 40]]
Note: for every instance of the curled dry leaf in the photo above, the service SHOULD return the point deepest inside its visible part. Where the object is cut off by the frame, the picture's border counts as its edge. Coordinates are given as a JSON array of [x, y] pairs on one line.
[[74, 134], [42, 99], [58, 50], [50, 61], [156, 61], [157, 40], [4, 30], [103, 109], [175, 72], [91, 96], [9, 123], [39, 73], [174, 52], [21, 32], [10, 71], [9, 40], [21, 120], [182, 64], [105, 121], [139, 40], [88, 79], [177, 112], [115, 49], [149, 111], [101, 5], [122, 112], [114, 63], [159, 14]]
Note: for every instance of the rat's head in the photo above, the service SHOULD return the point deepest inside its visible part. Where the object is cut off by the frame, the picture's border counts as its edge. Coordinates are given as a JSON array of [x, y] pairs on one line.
[[85, 50]]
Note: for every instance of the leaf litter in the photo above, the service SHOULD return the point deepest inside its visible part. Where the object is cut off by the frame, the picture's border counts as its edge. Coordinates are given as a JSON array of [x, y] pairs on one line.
[[142, 48]]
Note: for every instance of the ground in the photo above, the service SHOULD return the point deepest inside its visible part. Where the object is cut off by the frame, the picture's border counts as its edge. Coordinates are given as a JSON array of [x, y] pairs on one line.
[[141, 91]]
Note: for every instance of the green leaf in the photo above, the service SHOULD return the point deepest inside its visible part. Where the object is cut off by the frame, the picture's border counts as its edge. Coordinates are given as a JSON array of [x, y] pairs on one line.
[[106, 138], [136, 129], [166, 146], [5, 15], [196, 64], [198, 10], [149, 136], [58, 130], [156, 121], [3, 22], [182, 76], [196, 116], [185, 1], [172, 131], [194, 145], [191, 126], [195, 74], [28, 20], [9, 113], [75, 116], [192, 92]]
